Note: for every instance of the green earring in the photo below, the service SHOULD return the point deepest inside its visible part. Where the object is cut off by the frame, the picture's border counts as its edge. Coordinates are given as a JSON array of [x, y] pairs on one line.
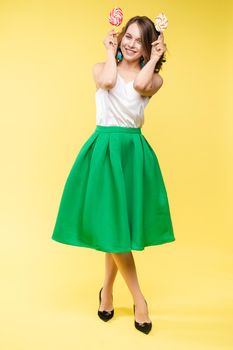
[[142, 62], [119, 56]]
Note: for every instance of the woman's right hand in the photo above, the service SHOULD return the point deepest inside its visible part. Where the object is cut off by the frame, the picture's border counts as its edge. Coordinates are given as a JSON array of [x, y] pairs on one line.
[[110, 41]]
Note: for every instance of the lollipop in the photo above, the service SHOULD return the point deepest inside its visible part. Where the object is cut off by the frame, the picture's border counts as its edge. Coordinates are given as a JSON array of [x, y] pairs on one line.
[[161, 22], [115, 16]]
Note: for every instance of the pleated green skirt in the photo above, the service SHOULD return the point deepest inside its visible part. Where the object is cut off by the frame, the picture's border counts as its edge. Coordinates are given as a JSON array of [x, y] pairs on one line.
[[114, 198]]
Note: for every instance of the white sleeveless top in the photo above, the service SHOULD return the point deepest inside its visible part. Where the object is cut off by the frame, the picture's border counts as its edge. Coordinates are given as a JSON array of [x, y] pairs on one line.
[[120, 106]]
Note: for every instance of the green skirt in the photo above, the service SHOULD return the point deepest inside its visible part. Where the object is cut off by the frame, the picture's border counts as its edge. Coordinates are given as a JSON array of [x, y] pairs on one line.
[[114, 198]]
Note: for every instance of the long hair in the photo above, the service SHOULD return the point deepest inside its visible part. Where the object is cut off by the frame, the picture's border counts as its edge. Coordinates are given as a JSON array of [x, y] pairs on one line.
[[148, 35]]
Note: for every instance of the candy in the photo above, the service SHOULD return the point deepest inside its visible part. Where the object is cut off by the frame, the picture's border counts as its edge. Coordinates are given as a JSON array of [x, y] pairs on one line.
[[161, 22], [115, 16]]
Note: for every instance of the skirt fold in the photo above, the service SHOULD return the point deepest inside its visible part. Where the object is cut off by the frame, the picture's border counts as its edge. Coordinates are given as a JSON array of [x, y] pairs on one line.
[[114, 198]]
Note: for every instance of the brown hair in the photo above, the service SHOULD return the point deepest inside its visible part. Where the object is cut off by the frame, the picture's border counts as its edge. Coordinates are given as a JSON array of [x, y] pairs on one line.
[[148, 35]]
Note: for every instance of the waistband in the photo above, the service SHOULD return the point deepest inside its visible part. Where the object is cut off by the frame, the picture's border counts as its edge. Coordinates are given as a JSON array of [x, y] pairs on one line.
[[113, 128]]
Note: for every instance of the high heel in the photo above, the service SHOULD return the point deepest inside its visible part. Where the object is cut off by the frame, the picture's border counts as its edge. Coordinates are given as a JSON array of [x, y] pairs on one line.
[[144, 327], [104, 315]]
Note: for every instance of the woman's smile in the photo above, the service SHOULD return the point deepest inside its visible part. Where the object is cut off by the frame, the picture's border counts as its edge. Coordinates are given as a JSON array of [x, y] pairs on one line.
[[129, 51]]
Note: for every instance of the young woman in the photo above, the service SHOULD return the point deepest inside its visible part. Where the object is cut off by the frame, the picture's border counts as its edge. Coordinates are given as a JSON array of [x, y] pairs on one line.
[[114, 199]]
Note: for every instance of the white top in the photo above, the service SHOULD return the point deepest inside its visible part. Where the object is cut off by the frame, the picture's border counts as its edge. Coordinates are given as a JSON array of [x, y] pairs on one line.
[[120, 106]]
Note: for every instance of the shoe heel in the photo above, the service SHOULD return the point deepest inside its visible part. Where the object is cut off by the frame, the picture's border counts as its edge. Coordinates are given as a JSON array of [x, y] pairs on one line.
[[104, 315], [144, 327]]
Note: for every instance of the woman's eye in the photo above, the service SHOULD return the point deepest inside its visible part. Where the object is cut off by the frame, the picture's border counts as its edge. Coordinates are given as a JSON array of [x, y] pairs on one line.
[[138, 40]]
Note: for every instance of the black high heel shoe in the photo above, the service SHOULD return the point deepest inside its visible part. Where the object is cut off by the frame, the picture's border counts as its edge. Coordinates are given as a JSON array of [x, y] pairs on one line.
[[104, 315], [144, 327]]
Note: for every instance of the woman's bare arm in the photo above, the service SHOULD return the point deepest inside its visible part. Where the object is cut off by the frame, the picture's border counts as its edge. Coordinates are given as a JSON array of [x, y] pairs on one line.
[[105, 73]]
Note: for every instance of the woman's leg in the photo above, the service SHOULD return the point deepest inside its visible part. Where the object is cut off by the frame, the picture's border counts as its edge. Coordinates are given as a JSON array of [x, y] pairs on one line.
[[126, 265], [110, 275]]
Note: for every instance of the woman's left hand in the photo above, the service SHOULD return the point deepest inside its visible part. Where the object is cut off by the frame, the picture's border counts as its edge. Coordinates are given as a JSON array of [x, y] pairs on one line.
[[158, 47]]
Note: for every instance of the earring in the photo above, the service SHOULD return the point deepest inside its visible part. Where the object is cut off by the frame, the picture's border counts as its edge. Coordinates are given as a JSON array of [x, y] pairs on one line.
[[119, 56], [142, 62]]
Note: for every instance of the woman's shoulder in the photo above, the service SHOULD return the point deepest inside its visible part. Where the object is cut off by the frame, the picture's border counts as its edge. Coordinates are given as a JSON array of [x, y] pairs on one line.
[[96, 72]]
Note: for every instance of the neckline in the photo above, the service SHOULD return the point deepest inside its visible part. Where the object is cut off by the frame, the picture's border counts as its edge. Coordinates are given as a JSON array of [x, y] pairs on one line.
[[126, 83]]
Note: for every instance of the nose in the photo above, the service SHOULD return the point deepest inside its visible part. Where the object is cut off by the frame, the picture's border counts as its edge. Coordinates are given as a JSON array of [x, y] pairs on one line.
[[131, 43]]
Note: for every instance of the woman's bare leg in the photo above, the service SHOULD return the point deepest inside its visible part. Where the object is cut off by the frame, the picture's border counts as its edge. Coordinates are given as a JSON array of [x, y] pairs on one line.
[[110, 275], [126, 265]]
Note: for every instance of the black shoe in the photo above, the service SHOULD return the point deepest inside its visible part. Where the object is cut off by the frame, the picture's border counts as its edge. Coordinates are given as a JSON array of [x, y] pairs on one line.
[[144, 327], [104, 315]]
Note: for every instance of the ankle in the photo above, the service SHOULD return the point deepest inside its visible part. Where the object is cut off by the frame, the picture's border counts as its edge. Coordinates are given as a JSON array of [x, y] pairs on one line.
[[138, 298], [107, 290]]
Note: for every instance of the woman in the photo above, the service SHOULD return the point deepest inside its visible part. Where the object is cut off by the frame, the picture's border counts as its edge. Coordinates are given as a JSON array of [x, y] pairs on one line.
[[115, 199]]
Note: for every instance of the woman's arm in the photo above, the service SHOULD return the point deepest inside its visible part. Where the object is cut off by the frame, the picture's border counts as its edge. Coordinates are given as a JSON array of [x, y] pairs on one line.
[[147, 83], [105, 73]]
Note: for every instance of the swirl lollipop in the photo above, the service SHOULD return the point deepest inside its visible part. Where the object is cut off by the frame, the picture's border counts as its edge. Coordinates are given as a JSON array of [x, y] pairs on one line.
[[161, 22], [115, 16]]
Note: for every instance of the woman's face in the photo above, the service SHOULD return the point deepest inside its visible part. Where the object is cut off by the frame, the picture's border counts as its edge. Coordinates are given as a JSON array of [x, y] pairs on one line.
[[131, 45]]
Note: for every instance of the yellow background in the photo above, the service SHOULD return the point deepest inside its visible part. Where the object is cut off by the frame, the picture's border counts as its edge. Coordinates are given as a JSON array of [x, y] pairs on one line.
[[49, 291]]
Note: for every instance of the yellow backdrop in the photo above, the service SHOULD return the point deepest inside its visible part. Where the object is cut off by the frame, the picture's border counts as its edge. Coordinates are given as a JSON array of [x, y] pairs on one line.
[[49, 291]]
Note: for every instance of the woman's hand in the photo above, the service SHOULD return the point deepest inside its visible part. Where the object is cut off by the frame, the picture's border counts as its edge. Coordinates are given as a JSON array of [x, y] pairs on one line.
[[110, 41], [158, 47]]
